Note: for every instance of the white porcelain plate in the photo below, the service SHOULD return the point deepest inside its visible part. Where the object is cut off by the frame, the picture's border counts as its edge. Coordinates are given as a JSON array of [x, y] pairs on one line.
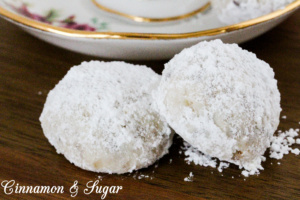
[[80, 26]]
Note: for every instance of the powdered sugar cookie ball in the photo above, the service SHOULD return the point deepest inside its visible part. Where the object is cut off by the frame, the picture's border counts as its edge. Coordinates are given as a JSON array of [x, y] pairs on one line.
[[235, 11], [100, 116], [222, 100]]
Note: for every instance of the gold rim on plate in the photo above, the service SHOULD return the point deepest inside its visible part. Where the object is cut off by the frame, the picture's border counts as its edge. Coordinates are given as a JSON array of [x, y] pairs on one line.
[[146, 19], [144, 36]]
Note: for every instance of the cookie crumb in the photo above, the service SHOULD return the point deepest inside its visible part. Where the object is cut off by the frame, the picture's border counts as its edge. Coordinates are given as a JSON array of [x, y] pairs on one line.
[[223, 165], [295, 151], [281, 144], [189, 178]]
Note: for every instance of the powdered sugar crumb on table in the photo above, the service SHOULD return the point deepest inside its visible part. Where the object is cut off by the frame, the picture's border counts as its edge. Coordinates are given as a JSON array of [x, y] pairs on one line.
[[189, 178], [281, 144]]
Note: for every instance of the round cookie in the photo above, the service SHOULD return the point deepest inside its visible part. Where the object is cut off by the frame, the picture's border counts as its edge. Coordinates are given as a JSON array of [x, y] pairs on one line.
[[100, 116], [235, 11], [222, 100]]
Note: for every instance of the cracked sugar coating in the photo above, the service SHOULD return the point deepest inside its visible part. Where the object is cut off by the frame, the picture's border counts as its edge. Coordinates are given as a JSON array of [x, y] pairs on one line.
[[101, 117], [235, 11], [222, 100]]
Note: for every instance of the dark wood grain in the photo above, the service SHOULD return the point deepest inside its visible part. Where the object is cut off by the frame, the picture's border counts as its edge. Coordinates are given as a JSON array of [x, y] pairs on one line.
[[28, 65]]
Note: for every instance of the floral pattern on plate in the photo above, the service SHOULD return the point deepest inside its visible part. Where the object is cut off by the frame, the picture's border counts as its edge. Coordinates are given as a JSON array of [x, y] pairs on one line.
[[52, 17]]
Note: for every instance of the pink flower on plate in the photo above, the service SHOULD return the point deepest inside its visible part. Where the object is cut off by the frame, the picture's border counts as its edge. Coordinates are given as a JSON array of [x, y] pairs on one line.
[[24, 11], [71, 24]]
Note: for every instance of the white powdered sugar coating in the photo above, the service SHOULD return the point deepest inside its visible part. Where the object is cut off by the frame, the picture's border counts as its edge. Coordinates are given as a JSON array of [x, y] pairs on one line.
[[254, 171], [101, 117], [235, 11], [198, 158], [222, 166], [281, 144], [222, 100]]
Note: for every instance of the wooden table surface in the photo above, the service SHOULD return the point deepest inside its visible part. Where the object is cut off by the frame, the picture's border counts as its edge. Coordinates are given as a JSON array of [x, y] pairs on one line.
[[28, 66]]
